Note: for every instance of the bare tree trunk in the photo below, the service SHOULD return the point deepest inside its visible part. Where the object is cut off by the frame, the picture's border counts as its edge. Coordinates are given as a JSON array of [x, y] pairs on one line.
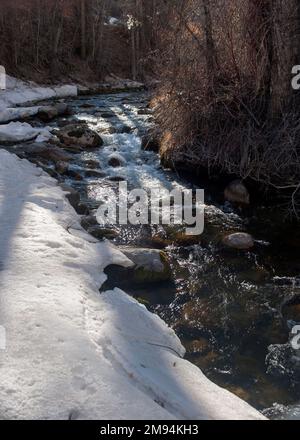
[[285, 29], [133, 50], [83, 29], [211, 58]]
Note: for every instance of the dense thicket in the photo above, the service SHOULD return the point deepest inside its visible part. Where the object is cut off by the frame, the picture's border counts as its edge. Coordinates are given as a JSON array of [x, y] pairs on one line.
[[226, 102]]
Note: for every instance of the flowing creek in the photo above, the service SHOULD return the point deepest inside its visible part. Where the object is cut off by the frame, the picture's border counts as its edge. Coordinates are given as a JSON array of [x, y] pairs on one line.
[[225, 305]]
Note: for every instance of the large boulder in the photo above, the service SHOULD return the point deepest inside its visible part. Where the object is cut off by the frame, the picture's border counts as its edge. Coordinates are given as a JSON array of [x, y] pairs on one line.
[[239, 240], [80, 135], [236, 192]]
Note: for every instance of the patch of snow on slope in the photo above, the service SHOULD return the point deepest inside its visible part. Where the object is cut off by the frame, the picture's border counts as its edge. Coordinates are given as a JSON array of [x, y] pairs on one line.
[[21, 132], [71, 352]]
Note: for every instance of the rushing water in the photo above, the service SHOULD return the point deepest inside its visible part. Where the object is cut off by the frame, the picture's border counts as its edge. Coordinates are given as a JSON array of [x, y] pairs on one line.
[[226, 306]]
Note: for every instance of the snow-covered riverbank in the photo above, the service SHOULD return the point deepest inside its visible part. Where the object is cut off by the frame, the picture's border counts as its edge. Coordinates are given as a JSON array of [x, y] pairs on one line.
[[71, 352], [19, 94]]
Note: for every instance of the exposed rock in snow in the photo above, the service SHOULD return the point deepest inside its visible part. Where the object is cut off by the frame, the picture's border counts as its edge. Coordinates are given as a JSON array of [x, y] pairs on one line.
[[71, 350]]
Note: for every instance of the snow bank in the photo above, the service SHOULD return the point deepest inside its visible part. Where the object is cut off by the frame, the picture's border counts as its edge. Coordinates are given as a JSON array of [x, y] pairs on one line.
[[21, 132], [18, 93], [71, 352]]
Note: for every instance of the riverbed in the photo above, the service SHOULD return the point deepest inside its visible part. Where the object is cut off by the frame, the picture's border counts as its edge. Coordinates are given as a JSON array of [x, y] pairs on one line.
[[230, 308]]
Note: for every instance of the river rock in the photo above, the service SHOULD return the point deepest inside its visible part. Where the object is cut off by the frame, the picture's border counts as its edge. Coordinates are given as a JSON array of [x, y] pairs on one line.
[[72, 195], [236, 192], [79, 134], [107, 115], [239, 240], [48, 113], [94, 173], [290, 309], [151, 265], [144, 111], [116, 160], [89, 221], [174, 234], [283, 362], [74, 174], [100, 233], [124, 129], [116, 179], [61, 167], [92, 164], [44, 151]]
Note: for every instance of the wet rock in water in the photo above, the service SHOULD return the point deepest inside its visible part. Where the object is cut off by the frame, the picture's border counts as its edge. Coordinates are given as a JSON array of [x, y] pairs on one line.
[[198, 346], [202, 313], [284, 362], [92, 164], [151, 142], [74, 174], [175, 234], [87, 105], [72, 195], [101, 233], [236, 192], [43, 151], [89, 221], [49, 113], [94, 173], [291, 309], [82, 209], [124, 129], [219, 223], [116, 161], [150, 266], [107, 115], [239, 240], [144, 111], [79, 134], [116, 179], [61, 167], [74, 149]]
